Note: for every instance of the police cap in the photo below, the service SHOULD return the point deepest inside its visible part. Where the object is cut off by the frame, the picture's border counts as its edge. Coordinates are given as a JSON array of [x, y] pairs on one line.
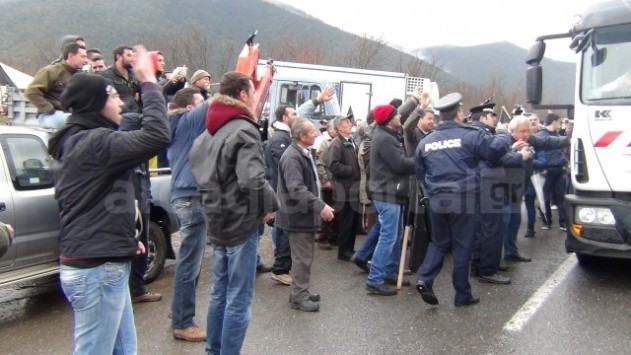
[[483, 108], [449, 102]]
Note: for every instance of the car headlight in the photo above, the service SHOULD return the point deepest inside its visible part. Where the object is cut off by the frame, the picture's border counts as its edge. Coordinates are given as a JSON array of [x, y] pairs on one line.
[[595, 215]]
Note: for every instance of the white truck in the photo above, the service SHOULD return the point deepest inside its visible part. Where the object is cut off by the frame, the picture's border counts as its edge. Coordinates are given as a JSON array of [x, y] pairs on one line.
[[599, 204], [358, 90]]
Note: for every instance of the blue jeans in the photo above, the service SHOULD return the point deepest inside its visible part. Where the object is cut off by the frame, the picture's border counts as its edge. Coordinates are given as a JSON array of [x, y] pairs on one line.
[[231, 294], [367, 249], [282, 253], [386, 256], [189, 262], [512, 220], [529, 200], [56, 120], [260, 230], [103, 316]]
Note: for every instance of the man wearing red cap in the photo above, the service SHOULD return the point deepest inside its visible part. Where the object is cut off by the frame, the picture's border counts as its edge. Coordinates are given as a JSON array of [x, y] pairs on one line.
[[390, 170]]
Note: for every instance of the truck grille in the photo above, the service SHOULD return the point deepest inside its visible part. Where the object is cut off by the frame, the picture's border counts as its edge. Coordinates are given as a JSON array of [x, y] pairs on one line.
[[602, 235], [412, 82], [580, 165]]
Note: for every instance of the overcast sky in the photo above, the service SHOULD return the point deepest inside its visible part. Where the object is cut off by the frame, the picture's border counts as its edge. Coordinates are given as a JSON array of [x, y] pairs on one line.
[[421, 23]]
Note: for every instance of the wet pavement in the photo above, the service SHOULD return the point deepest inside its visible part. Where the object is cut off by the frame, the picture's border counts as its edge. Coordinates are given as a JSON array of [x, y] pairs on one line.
[[587, 310]]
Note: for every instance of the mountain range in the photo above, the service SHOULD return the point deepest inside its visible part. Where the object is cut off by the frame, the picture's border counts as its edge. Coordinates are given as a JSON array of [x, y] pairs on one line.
[[209, 34], [501, 65]]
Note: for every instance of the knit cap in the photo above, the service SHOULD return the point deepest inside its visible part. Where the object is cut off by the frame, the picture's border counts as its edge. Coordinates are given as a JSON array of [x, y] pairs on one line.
[[85, 92], [384, 113]]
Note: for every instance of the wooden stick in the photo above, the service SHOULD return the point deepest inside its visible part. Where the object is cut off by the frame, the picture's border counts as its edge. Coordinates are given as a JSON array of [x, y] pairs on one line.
[[404, 245]]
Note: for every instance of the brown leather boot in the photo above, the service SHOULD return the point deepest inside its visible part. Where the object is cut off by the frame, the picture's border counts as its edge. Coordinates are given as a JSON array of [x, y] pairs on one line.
[[193, 334]]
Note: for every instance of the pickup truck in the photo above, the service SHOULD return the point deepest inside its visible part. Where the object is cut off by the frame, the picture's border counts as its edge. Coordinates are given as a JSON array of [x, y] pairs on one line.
[[27, 202]]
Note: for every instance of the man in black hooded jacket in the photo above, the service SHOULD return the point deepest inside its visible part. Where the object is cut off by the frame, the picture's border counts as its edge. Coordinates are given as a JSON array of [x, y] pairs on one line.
[[94, 187]]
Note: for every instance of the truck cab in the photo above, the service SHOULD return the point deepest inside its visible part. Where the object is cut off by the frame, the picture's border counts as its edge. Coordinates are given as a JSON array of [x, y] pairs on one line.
[[600, 200], [27, 203], [295, 92]]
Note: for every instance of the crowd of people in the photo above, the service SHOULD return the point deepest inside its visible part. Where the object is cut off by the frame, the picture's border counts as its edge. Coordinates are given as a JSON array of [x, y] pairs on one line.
[[458, 186]]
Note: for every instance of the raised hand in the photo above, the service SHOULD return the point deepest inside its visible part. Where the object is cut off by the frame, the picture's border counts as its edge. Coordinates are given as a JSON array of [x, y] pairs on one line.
[[143, 66]]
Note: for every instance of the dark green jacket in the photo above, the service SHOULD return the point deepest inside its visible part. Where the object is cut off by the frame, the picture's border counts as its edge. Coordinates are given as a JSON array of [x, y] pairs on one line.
[[48, 83]]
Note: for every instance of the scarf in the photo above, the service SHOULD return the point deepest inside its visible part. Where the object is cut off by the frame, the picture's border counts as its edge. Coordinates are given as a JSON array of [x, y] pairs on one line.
[[75, 124]]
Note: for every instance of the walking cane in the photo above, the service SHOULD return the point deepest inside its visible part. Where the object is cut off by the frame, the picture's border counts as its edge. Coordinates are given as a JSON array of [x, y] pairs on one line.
[[404, 245]]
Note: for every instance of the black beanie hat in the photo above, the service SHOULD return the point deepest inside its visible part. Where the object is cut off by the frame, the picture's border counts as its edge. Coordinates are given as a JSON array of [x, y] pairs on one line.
[[85, 92]]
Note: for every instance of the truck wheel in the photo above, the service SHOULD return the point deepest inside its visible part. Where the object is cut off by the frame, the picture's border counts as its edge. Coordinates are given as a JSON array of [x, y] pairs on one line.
[[585, 260], [156, 252]]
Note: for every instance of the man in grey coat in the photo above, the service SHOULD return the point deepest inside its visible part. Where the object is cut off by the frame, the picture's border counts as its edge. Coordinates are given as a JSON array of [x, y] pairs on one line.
[[300, 211], [227, 163]]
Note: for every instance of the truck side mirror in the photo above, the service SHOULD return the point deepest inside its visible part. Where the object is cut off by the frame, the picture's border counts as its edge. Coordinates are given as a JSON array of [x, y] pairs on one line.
[[534, 84], [598, 57], [535, 53]]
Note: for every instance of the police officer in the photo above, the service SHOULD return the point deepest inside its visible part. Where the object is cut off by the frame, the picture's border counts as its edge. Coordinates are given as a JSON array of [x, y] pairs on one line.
[[446, 163], [487, 246]]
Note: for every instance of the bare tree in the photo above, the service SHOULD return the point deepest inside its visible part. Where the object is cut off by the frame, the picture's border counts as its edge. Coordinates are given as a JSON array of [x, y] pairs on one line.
[[311, 54], [190, 47], [227, 52], [365, 53], [196, 48], [45, 51], [284, 47]]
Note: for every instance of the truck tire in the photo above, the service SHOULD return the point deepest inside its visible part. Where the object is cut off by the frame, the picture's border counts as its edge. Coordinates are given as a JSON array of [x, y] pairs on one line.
[[156, 252], [585, 260]]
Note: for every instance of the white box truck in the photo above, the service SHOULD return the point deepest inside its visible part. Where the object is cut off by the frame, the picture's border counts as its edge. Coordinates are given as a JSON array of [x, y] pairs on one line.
[[359, 90], [599, 205]]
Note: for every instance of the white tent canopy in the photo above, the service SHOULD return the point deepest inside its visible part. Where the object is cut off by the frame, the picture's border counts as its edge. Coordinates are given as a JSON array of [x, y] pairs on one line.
[[17, 78]]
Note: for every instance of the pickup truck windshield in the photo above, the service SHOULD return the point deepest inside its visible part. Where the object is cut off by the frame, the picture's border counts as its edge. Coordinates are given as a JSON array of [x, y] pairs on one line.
[[28, 163], [606, 69]]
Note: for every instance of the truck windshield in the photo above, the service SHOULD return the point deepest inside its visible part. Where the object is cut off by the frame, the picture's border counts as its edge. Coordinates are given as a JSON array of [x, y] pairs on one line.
[[606, 68], [296, 94]]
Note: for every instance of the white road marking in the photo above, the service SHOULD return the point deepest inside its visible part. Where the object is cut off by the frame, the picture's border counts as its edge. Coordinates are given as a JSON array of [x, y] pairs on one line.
[[523, 315]]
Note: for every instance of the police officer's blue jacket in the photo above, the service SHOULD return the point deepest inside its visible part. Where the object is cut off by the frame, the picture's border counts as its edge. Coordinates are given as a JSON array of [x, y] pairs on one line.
[[490, 173], [447, 159]]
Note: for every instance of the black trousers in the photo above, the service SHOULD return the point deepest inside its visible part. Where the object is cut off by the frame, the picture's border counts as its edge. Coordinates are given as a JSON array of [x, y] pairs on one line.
[[139, 262], [328, 229], [347, 218], [420, 240]]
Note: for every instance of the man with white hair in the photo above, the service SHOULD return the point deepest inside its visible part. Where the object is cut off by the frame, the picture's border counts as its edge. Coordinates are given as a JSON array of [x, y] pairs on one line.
[[341, 160], [522, 140], [301, 210]]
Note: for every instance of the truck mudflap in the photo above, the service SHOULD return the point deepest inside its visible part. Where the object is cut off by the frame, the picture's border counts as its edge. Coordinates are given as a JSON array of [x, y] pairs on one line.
[[612, 241]]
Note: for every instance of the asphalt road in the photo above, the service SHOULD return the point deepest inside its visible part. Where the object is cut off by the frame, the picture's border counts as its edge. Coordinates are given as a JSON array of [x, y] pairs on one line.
[[553, 306]]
